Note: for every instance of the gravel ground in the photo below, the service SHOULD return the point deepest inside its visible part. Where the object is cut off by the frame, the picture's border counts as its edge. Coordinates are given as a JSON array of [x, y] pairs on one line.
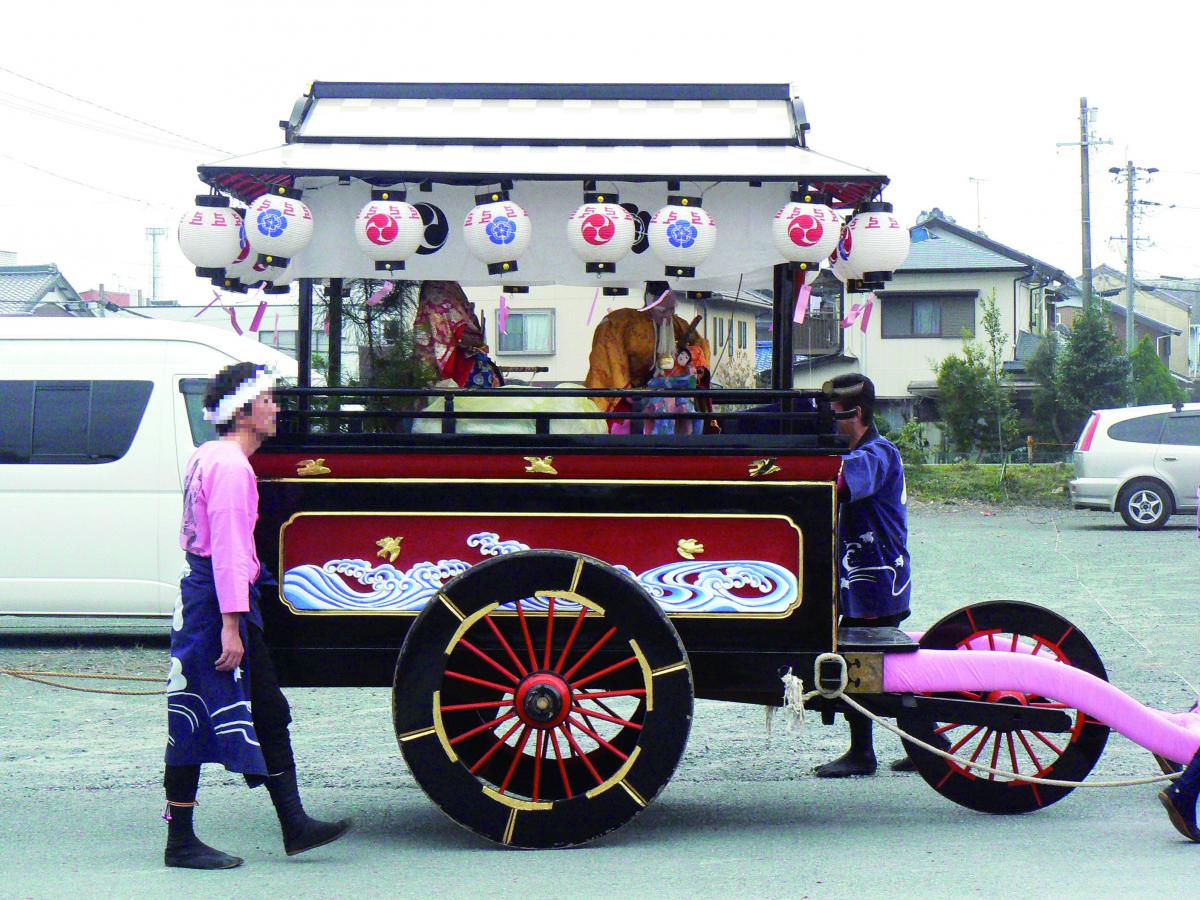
[[80, 795]]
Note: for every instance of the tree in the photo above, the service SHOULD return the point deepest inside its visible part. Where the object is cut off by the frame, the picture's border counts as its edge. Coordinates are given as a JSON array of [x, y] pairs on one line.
[[973, 394], [1092, 370], [1043, 369], [1152, 381]]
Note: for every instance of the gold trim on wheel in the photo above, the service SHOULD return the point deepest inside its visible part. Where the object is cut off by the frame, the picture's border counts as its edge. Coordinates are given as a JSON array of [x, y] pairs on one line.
[[514, 803]]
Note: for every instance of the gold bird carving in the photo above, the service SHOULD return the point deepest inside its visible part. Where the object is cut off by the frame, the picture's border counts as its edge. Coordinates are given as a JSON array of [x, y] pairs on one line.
[[389, 547], [540, 465], [763, 467], [312, 467], [689, 548]]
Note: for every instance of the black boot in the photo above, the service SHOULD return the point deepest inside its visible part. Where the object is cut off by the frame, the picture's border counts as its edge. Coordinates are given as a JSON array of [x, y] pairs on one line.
[[300, 832], [184, 849], [1180, 800], [859, 759]]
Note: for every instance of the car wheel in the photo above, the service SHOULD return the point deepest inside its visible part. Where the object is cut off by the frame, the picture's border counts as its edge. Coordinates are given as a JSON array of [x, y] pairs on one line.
[[1145, 505]]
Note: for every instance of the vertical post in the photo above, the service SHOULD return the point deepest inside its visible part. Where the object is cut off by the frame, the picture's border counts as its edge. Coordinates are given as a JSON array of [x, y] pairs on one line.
[[781, 320], [304, 334], [1085, 201], [334, 311], [1130, 183]]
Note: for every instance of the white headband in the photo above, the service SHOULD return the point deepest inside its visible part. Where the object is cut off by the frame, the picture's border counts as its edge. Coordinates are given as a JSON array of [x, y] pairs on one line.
[[231, 403]]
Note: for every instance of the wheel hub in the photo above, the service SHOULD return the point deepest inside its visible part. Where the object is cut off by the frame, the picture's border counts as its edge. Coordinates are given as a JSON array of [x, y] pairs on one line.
[[543, 700]]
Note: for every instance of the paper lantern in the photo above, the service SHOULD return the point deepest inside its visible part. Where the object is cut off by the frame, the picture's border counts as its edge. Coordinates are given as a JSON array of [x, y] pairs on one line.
[[246, 274], [279, 281], [497, 232], [806, 229], [601, 232], [877, 244], [279, 226], [210, 235], [388, 230], [682, 234]]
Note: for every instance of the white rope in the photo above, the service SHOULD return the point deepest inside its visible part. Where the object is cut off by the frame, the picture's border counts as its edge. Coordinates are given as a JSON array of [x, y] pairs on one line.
[[794, 699]]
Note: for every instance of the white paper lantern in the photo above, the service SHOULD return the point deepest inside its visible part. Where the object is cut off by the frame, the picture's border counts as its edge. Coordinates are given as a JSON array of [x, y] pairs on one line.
[[601, 233], [210, 235], [497, 232], [806, 231], [247, 273], [279, 281], [839, 260], [278, 226], [682, 234], [877, 243], [388, 230]]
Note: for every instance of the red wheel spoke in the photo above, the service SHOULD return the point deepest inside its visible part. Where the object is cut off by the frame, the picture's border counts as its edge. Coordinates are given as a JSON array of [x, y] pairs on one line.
[[995, 755], [503, 688], [571, 639], [528, 639], [507, 647], [600, 643], [632, 692], [1049, 743], [1012, 753], [455, 707], [944, 728], [1050, 705], [991, 640], [512, 768], [983, 743], [595, 737], [539, 747], [604, 706], [1013, 648], [484, 727], [566, 730], [1028, 749], [605, 671], [562, 766], [549, 634], [971, 695], [974, 731], [491, 662], [499, 743], [605, 718]]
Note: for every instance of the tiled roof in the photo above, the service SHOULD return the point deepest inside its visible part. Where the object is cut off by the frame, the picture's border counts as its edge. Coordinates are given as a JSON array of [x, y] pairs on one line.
[[950, 246], [22, 288]]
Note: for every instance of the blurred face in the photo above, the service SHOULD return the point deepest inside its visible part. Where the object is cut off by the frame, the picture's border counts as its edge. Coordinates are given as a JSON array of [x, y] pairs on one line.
[[849, 427], [263, 411]]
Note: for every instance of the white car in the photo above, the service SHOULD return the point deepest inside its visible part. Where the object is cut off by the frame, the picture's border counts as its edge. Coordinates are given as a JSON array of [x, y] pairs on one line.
[[98, 418], [1141, 461]]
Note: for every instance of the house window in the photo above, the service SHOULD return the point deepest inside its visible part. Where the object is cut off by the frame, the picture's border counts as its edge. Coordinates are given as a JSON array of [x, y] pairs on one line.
[[928, 315], [69, 422], [528, 331], [285, 341], [743, 332], [720, 333]]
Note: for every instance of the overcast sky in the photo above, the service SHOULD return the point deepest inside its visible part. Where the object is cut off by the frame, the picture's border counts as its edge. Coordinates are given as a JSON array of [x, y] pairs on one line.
[[931, 94]]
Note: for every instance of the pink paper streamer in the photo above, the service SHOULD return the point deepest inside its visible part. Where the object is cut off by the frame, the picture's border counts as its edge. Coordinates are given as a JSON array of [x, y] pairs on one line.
[[802, 296], [275, 332], [866, 314], [502, 315], [258, 315], [592, 311], [233, 318], [216, 299], [376, 298], [661, 298]]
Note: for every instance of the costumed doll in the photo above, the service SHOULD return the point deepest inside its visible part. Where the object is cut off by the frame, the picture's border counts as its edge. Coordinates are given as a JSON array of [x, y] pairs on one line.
[[449, 338], [632, 346], [224, 704]]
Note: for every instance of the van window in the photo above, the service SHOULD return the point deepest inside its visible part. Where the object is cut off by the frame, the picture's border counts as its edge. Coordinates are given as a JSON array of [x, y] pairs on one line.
[[69, 422], [193, 399], [1142, 430], [1182, 430]]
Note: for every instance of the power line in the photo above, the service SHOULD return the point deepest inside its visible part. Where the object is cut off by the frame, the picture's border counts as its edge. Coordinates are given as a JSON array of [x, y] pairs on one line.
[[54, 113], [111, 111], [90, 187]]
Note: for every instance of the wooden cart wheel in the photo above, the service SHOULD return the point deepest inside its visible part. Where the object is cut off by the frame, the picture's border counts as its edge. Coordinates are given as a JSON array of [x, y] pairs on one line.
[[542, 699], [1009, 627]]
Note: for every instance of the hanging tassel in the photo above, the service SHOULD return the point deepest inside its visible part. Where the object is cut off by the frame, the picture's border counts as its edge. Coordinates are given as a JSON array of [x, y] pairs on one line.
[[802, 296], [502, 315], [258, 315]]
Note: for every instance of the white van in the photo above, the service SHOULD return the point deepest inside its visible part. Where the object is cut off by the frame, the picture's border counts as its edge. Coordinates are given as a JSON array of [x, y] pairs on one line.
[[98, 418]]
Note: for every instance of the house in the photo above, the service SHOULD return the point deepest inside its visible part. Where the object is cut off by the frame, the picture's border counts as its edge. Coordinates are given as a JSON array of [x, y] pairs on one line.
[[1161, 315], [38, 291], [932, 302]]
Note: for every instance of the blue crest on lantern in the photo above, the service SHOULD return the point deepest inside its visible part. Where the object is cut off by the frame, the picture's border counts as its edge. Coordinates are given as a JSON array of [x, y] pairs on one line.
[[272, 222], [682, 234], [501, 230]]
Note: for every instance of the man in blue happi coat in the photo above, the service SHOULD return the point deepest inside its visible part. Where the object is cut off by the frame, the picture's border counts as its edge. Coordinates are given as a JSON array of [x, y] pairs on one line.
[[875, 579]]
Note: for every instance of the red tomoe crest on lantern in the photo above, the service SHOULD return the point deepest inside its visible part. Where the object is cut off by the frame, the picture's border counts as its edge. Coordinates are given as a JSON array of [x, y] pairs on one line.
[[388, 230], [805, 230], [601, 232]]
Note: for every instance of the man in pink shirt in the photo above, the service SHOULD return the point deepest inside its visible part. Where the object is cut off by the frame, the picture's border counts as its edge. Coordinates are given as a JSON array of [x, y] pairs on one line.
[[224, 704]]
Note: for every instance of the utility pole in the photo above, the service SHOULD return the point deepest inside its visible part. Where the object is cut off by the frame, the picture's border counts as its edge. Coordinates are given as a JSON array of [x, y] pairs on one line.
[[978, 211], [155, 271], [1130, 174], [1087, 117]]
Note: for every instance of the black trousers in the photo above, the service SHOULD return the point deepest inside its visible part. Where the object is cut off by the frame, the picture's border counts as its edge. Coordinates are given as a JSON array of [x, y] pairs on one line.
[[891, 621], [270, 713]]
